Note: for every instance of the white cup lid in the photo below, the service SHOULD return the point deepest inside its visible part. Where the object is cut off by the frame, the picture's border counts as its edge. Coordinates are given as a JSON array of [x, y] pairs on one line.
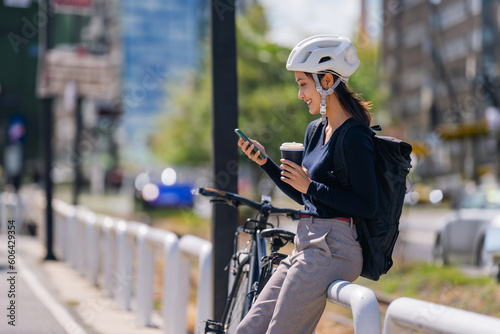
[[292, 146]]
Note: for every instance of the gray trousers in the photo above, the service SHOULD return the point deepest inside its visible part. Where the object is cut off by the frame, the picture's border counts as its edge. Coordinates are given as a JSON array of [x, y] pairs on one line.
[[294, 299]]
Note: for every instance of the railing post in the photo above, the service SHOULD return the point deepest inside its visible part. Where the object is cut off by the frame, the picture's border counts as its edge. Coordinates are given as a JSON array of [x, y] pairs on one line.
[[201, 248], [80, 239], [171, 293], [60, 214], [205, 303], [184, 287], [109, 255], [363, 303], [71, 236], [144, 278], [92, 248], [125, 260], [59, 210]]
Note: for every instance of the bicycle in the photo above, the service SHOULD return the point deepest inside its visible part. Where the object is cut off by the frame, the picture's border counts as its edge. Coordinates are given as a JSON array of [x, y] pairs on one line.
[[250, 268]]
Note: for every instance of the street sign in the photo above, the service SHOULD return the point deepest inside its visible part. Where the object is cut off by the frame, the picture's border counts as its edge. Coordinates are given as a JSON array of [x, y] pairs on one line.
[[96, 76], [82, 7]]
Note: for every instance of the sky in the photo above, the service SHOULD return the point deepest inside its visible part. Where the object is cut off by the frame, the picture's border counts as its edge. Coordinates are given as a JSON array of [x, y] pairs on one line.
[[293, 20]]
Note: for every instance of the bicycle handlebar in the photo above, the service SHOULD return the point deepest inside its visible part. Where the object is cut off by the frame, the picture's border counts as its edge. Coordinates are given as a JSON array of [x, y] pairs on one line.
[[237, 200]]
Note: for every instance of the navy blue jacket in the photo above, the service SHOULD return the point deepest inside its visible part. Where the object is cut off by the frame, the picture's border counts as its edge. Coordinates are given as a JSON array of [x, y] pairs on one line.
[[325, 198]]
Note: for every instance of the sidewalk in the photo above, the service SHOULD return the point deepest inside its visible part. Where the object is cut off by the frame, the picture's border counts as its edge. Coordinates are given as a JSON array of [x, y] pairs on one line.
[[52, 298]]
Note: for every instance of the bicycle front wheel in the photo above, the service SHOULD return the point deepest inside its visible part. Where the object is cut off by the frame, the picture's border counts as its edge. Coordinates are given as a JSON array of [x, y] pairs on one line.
[[239, 294]]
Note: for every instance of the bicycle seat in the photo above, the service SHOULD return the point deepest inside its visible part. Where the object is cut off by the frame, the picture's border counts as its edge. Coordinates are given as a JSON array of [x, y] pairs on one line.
[[277, 232]]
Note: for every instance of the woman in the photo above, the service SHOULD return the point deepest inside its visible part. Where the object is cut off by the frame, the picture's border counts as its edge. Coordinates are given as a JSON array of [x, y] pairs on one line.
[[326, 246]]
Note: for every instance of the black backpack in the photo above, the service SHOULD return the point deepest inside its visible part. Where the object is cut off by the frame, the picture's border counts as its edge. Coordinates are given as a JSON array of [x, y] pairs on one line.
[[378, 234]]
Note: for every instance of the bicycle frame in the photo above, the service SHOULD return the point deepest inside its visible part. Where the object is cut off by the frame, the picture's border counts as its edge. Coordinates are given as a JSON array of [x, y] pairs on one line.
[[259, 251], [257, 275]]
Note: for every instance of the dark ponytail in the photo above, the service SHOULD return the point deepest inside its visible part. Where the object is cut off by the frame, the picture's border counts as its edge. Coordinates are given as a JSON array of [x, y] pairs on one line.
[[352, 102]]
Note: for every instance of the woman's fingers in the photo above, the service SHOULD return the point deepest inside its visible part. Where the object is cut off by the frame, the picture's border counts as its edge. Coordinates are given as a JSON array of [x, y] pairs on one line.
[[249, 150], [248, 147], [287, 175], [290, 163], [255, 155], [289, 166], [287, 171]]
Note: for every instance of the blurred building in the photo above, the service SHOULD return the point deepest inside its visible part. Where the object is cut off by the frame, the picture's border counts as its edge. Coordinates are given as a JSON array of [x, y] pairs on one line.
[[162, 42], [441, 60], [81, 71]]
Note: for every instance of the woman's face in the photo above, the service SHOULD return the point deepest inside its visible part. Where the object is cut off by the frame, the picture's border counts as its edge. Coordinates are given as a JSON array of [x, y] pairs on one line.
[[308, 92]]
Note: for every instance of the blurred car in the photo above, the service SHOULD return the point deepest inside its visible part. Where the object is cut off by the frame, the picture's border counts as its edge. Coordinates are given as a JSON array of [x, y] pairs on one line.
[[161, 190], [461, 238]]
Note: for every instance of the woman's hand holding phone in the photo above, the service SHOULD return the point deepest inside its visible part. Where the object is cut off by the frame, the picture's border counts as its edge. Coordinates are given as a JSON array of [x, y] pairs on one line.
[[248, 147]]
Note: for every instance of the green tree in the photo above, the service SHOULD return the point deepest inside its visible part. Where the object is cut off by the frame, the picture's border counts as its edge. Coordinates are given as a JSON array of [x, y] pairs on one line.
[[269, 109], [185, 135]]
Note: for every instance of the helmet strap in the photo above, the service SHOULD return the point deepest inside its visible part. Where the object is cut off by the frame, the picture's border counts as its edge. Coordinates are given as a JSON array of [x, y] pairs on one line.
[[324, 93]]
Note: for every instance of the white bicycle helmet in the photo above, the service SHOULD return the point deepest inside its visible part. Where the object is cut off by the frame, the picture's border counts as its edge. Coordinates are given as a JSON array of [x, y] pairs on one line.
[[324, 54]]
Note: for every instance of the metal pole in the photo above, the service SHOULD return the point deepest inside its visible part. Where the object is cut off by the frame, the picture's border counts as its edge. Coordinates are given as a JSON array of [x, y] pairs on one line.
[[47, 145], [225, 154]]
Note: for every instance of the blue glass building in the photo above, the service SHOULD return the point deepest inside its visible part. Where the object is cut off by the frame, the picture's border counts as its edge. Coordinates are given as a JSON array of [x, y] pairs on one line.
[[161, 40]]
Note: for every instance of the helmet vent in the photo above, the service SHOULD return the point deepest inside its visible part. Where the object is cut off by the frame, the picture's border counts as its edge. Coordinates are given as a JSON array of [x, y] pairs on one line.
[[325, 59]]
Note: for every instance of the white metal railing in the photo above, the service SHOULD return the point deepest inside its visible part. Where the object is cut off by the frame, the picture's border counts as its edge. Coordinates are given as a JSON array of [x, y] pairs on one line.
[[104, 250], [406, 315], [363, 303]]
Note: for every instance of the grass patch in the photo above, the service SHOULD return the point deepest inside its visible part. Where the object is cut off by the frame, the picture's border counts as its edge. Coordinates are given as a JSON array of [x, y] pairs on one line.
[[181, 221]]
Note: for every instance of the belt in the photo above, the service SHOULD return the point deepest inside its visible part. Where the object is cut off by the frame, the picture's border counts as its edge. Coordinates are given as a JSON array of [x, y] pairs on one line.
[[337, 218]]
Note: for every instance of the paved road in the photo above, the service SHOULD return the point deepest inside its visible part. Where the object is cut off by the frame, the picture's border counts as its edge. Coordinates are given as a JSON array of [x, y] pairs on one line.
[[34, 309], [52, 298]]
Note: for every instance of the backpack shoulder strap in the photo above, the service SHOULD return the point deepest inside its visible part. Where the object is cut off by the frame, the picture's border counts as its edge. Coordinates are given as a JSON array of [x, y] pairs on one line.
[[339, 159], [311, 131]]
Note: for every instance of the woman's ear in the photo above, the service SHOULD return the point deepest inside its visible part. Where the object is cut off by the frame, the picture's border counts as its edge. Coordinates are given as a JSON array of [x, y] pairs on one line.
[[327, 81]]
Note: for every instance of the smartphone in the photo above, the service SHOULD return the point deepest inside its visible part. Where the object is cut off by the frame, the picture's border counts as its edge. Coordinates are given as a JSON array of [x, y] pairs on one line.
[[242, 135]]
